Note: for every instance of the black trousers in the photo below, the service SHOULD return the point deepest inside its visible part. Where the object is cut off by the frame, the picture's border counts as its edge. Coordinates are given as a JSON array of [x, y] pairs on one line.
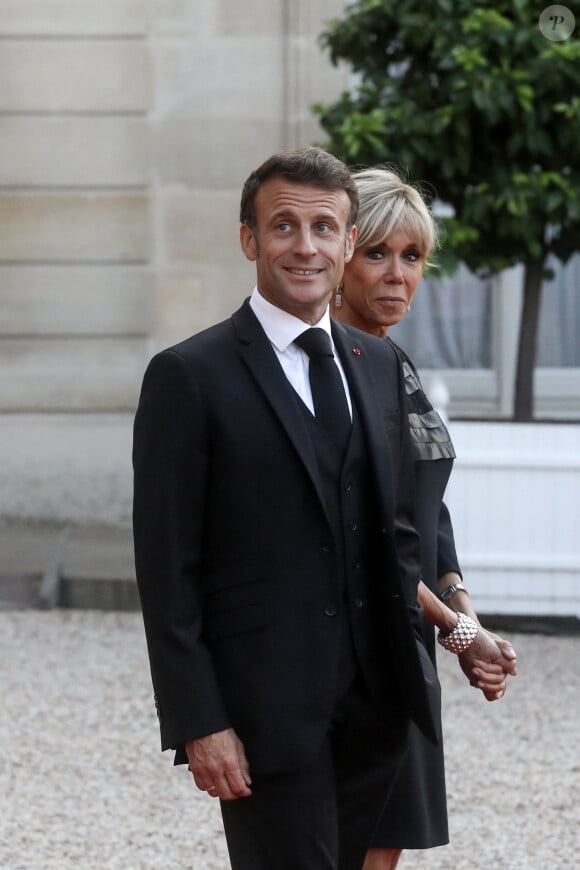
[[322, 816]]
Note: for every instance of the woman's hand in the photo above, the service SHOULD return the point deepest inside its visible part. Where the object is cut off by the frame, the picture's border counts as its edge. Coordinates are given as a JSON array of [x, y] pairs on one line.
[[487, 662]]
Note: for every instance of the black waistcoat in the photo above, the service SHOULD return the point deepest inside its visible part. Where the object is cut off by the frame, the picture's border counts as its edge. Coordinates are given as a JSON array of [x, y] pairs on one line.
[[349, 498]]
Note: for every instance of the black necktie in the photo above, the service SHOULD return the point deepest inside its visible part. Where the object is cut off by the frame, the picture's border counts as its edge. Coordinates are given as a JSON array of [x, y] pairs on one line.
[[330, 403]]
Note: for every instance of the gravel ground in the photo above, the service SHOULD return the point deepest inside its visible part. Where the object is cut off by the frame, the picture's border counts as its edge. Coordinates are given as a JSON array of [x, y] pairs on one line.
[[83, 784]]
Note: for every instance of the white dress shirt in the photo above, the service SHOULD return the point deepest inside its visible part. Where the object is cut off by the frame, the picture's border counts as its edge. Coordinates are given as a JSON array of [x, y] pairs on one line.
[[282, 328]]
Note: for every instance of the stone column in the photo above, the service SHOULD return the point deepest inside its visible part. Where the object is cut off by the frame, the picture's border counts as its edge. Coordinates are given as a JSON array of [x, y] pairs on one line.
[[75, 251]]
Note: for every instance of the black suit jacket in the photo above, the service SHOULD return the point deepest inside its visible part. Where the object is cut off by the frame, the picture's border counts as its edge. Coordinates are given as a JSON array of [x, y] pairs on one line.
[[234, 552]]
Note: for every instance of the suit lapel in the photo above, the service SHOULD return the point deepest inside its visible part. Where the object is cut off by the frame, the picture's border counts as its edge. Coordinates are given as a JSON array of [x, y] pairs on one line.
[[365, 393], [257, 354], [264, 366]]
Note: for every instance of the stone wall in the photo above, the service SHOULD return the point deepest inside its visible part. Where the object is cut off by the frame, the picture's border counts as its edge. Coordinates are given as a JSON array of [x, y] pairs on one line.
[[75, 204], [234, 83], [127, 129]]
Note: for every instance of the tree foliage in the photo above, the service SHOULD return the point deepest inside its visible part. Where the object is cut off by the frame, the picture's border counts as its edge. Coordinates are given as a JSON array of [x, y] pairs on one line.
[[471, 98]]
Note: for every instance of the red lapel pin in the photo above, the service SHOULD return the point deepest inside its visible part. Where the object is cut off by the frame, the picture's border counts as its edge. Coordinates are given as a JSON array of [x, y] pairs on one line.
[[356, 351]]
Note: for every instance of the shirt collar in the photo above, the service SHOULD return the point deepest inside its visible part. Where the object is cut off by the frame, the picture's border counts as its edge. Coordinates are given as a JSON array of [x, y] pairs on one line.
[[281, 327]]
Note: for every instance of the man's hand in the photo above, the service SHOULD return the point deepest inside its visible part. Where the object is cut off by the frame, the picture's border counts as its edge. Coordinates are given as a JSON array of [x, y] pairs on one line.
[[487, 663], [219, 765]]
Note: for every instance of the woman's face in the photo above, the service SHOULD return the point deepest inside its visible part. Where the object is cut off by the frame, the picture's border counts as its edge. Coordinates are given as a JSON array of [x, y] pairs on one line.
[[380, 281]]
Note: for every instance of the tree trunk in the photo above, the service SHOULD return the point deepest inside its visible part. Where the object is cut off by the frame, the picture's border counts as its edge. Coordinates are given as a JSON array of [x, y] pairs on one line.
[[524, 388]]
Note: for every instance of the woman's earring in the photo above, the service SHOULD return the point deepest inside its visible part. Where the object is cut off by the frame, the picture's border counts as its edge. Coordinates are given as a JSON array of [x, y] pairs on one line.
[[338, 301], [409, 307]]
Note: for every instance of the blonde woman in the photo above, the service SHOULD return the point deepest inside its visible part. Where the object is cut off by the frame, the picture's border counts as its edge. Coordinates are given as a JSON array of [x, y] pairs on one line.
[[396, 235]]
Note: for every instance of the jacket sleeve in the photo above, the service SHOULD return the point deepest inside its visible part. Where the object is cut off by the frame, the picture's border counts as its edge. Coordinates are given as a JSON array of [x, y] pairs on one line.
[[422, 685], [171, 467], [407, 539], [446, 554]]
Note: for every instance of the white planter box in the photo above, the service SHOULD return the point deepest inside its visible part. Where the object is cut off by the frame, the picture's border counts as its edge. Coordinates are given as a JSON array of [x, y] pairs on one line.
[[514, 497]]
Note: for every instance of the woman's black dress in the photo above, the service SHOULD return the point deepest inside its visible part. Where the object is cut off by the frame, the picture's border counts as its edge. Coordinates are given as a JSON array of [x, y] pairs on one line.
[[416, 814]]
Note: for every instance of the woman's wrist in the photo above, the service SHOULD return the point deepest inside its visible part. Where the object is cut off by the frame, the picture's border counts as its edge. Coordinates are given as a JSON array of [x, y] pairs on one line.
[[462, 636], [447, 621]]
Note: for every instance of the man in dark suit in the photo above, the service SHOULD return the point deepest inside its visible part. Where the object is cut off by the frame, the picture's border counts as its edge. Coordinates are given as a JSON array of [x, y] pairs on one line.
[[276, 556]]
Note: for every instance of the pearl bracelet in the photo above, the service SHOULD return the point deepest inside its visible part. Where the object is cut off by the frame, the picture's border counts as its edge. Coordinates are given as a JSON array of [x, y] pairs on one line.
[[462, 636]]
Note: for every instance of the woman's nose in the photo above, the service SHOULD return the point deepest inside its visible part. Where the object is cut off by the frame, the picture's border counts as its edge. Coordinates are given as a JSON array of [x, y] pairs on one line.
[[394, 271]]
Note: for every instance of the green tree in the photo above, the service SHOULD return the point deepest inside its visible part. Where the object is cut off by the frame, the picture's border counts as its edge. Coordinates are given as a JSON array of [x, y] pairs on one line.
[[473, 98]]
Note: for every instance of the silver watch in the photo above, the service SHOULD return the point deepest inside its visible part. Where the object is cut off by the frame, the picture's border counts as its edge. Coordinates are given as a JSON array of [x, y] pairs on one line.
[[451, 590]]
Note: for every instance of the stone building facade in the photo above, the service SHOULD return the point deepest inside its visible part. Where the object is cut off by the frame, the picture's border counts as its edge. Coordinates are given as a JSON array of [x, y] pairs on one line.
[[127, 128]]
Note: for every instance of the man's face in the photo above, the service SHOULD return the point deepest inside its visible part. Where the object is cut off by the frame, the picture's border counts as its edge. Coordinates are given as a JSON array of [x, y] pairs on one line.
[[300, 245]]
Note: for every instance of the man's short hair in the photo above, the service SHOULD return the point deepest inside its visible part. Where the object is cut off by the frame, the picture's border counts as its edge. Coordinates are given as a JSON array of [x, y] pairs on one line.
[[312, 166]]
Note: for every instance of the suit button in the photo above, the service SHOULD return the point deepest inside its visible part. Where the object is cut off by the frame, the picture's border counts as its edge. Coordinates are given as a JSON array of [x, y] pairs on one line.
[[331, 609], [348, 486], [358, 602], [326, 548], [353, 527]]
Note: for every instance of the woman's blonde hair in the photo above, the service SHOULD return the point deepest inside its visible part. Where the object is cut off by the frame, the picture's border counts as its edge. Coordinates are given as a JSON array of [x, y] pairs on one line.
[[388, 204]]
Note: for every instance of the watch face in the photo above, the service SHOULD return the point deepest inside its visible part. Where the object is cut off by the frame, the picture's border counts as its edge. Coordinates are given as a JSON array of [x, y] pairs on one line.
[[447, 593]]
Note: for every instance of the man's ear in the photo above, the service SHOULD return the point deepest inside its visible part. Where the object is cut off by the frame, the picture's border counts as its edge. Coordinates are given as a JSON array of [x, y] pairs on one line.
[[248, 242], [349, 244]]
